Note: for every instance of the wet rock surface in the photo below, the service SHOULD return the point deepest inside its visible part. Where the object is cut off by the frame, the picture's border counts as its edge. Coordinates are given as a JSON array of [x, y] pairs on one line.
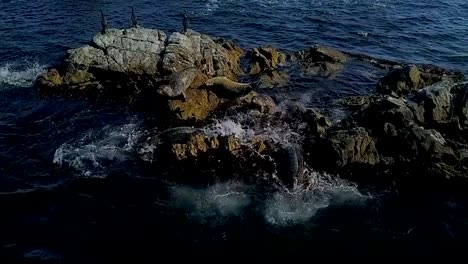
[[321, 60], [416, 117]]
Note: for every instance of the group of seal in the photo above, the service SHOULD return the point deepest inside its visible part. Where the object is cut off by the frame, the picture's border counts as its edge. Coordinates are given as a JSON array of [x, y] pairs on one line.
[[104, 24], [178, 83]]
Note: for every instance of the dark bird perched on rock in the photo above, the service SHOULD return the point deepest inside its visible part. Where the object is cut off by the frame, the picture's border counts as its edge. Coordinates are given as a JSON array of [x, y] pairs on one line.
[[185, 23], [103, 23], [134, 19]]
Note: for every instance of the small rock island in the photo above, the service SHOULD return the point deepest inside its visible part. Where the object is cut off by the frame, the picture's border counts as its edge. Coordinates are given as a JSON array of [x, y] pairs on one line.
[[412, 129]]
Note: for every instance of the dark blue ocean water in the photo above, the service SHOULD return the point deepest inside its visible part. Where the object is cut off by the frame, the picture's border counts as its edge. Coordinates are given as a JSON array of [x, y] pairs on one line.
[[71, 188]]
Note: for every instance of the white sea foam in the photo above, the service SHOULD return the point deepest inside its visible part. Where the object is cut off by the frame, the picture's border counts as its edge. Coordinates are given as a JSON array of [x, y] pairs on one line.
[[284, 207], [20, 75], [94, 152], [245, 133], [212, 5], [299, 205], [229, 127], [222, 199]]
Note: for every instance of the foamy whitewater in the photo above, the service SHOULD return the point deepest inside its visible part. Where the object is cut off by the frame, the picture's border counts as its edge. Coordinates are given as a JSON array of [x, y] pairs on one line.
[[217, 203], [76, 185], [20, 75], [97, 150]]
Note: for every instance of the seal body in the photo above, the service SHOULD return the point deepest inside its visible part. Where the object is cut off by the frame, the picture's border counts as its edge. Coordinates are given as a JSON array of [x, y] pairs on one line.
[[226, 88], [179, 82]]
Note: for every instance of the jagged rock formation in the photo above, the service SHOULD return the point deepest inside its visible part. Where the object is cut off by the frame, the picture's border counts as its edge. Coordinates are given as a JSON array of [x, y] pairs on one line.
[[416, 122]]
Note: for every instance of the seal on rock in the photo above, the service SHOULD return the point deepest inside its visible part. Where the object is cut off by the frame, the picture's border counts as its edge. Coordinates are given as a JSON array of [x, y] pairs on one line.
[[224, 87], [179, 82]]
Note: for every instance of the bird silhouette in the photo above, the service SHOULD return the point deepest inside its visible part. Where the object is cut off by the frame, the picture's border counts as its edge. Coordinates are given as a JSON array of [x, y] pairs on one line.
[[185, 23], [134, 19], [104, 26]]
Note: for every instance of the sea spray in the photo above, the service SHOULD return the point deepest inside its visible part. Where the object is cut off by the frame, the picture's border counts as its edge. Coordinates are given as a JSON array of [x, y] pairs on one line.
[[301, 203], [221, 201], [226, 199], [93, 154], [20, 75]]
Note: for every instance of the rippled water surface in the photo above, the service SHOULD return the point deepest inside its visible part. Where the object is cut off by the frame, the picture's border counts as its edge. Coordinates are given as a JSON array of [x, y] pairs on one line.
[[71, 187]]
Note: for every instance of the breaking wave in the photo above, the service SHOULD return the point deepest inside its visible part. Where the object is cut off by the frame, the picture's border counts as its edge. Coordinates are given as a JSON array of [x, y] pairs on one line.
[[219, 200], [22, 75], [95, 152], [285, 207], [299, 205], [245, 133]]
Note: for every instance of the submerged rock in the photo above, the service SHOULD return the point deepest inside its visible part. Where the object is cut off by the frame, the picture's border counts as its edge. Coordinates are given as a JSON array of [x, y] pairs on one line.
[[265, 59], [264, 62], [264, 103], [323, 61], [50, 79], [271, 79]]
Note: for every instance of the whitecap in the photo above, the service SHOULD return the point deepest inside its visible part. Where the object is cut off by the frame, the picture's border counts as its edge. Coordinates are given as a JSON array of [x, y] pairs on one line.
[[299, 205], [223, 200], [92, 154], [22, 75]]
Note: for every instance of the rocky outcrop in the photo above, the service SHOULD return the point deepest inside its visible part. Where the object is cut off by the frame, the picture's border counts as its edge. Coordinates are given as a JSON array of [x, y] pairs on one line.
[[418, 119], [419, 143], [406, 79], [386, 110], [190, 151], [320, 60], [401, 81], [198, 103], [221, 57], [265, 59], [421, 131], [129, 51], [264, 103], [50, 79], [437, 102], [265, 62], [134, 64], [344, 148]]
